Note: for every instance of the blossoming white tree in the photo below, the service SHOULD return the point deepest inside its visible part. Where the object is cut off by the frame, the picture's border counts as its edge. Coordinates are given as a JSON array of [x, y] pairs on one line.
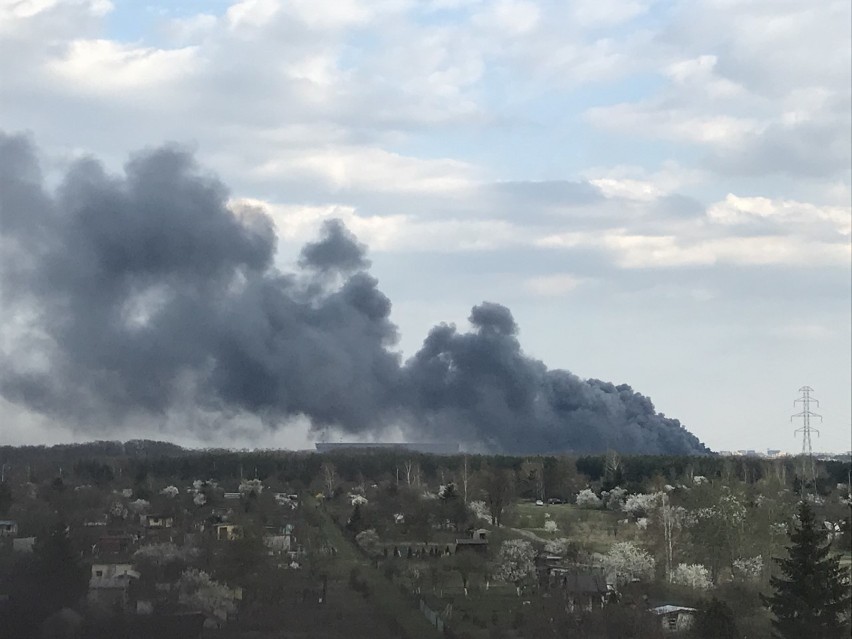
[[170, 491], [558, 546], [692, 575], [641, 504], [198, 591], [515, 563], [586, 498], [627, 562], [614, 498], [747, 568]]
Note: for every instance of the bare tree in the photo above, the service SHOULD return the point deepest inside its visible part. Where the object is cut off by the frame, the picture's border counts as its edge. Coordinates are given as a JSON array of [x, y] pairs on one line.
[[329, 477]]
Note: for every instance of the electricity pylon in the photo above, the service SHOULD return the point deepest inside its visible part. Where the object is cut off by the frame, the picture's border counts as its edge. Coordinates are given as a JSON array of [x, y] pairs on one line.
[[808, 466]]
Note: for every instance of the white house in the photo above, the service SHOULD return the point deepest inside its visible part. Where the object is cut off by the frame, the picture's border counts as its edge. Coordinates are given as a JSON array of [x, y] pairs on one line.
[[110, 583]]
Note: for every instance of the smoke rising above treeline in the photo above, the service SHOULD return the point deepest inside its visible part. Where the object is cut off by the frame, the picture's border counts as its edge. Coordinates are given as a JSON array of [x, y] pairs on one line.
[[126, 296]]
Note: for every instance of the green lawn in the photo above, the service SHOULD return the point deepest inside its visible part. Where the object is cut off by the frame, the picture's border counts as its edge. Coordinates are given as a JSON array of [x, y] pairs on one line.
[[396, 609], [593, 530]]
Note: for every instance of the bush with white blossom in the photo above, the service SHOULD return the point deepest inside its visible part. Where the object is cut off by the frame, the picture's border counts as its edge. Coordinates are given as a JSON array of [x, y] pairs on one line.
[[249, 486], [558, 546], [693, 576], [747, 568], [358, 500], [197, 591], [550, 526], [627, 562], [587, 498], [614, 498], [516, 562], [480, 510], [641, 504]]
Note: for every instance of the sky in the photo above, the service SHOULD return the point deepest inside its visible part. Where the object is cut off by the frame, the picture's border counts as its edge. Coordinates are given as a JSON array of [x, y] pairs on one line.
[[659, 191]]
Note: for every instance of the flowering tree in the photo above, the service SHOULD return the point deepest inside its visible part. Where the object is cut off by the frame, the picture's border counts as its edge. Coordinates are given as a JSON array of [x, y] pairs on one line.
[[170, 491], [614, 498], [198, 591], [747, 568], [515, 563], [586, 498], [550, 526], [627, 562], [199, 499], [641, 504], [692, 575], [358, 500], [480, 510], [249, 486], [558, 546]]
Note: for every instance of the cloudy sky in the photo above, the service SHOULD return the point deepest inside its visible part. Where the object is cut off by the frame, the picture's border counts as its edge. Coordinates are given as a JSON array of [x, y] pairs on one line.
[[660, 191]]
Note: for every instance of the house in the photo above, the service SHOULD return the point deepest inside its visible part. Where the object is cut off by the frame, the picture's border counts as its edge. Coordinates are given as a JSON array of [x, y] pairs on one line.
[[478, 542], [674, 619], [157, 521], [583, 592], [233, 495], [8, 528], [228, 532], [109, 584]]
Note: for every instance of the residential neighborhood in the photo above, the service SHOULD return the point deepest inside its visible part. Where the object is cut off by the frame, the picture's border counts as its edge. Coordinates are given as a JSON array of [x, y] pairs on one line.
[[457, 546]]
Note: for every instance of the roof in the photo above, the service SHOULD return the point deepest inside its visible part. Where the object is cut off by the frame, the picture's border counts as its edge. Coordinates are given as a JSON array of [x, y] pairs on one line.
[[668, 609], [585, 583], [433, 448]]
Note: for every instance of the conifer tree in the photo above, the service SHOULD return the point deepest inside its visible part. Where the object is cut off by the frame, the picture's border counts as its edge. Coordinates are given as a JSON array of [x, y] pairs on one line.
[[812, 595]]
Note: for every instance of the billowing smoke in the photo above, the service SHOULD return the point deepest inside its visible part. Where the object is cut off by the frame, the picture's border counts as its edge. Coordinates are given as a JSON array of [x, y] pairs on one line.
[[124, 296]]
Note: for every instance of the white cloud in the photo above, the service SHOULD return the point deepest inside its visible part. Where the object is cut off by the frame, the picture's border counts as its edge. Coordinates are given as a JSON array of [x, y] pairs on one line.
[[106, 67], [799, 217], [555, 285]]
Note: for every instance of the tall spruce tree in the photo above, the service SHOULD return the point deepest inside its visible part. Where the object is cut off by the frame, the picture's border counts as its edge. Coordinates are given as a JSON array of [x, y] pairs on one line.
[[812, 595]]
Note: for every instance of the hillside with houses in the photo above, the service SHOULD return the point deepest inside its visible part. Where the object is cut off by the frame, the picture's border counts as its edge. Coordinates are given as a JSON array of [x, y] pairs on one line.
[[148, 540]]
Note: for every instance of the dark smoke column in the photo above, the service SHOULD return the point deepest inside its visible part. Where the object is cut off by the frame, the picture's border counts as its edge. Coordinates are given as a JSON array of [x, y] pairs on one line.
[[129, 297]]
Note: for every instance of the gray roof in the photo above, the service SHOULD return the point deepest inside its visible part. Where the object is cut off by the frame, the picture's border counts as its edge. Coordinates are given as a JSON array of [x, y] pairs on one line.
[[432, 448]]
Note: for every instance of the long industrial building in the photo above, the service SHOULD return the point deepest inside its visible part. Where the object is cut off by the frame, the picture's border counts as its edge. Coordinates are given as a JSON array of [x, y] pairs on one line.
[[431, 448]]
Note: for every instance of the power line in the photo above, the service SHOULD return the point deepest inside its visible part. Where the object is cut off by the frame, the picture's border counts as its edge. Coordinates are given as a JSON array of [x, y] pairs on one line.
[[808, 465]]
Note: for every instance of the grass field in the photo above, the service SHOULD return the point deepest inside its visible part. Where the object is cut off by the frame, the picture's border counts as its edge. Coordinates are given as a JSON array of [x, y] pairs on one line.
[[393, 607], [593, 530]]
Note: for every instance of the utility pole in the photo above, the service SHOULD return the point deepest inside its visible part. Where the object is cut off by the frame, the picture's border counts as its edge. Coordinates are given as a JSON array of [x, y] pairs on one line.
[[808, 466]]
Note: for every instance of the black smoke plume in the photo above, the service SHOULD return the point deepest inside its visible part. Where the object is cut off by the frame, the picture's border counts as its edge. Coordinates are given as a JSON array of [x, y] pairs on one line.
[[124, 296]]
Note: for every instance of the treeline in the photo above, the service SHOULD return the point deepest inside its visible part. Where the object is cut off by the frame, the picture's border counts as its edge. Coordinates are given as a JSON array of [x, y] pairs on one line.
[[551, 476]]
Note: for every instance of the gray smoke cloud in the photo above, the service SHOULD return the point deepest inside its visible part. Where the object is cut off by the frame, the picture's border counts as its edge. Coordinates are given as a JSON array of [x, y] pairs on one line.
[[124, 295]]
